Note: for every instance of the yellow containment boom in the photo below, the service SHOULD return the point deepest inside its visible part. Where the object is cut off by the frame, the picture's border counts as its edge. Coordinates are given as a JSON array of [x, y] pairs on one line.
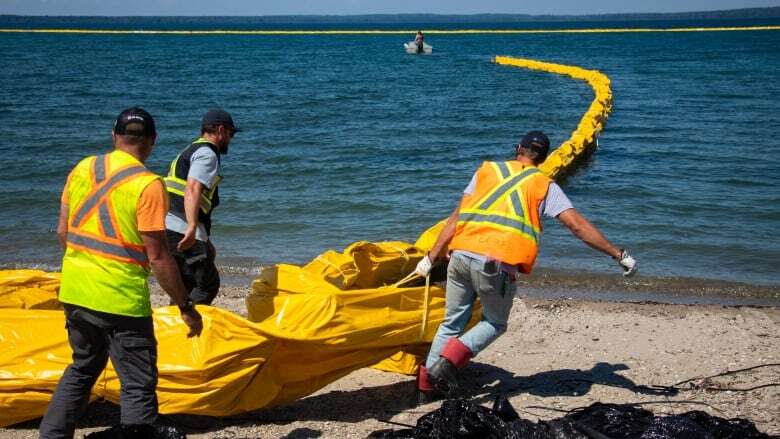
[[583, 139]]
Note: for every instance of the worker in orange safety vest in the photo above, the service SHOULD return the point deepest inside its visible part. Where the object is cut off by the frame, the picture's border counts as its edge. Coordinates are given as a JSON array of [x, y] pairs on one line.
[[491, 237]]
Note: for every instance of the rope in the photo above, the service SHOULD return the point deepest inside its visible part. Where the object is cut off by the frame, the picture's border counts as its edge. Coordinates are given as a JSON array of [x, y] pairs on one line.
[[426, 296], [399, 424], [331, 264], [730, 372], [727, 389], [103, 381], [425, 307], [411, 276], [403, 254]]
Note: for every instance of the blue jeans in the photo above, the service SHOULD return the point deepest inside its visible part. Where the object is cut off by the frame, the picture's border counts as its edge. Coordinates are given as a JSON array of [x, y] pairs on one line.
[[467, 280]]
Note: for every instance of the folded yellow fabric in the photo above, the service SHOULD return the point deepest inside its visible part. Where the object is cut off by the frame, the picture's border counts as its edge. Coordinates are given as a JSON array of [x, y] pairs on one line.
[[29, 289]]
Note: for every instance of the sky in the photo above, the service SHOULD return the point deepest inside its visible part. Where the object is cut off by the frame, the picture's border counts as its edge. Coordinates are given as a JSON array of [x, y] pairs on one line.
[[353, 7]]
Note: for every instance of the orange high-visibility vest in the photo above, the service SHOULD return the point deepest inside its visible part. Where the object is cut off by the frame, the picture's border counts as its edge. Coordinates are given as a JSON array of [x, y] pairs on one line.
[[500, 220], [105, 266]]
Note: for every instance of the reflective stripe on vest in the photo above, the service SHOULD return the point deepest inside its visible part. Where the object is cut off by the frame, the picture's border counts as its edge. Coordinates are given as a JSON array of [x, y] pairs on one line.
[[507, 190], [106, 249], [500, 218], [109, 245], [177, 186], [509, 224]]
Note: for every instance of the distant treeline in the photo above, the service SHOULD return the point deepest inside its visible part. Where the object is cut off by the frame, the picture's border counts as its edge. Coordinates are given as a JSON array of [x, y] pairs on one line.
[[395, 19]]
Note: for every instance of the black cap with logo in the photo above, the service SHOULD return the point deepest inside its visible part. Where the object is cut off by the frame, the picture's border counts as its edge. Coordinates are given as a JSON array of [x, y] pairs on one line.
[[538, 142], [218, 116], [135, 121]]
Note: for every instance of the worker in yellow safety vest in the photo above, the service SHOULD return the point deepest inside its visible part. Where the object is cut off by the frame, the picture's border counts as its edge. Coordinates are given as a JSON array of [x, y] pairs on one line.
[[491, 236], [193, 187], [112, 227]]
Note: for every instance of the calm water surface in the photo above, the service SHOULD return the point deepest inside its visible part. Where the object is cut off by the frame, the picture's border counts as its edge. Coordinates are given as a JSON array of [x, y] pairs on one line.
[[348, 138]]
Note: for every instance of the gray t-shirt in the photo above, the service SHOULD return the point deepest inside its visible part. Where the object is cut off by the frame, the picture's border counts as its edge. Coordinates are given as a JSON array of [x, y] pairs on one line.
[[553, 205], [204, 167]]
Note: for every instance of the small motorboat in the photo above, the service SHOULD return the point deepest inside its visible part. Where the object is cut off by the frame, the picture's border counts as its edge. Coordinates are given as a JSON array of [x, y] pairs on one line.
[[411, 47]]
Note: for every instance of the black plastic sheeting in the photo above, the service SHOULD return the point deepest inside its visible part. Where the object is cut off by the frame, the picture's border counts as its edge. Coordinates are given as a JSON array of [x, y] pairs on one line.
[[460, 418], [138, 432]]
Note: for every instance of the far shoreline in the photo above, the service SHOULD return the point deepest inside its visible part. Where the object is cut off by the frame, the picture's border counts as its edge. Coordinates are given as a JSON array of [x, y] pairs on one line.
[[431, 18]]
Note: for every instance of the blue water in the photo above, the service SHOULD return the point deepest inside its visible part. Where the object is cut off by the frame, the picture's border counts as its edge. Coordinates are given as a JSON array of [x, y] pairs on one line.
[[348, 138]]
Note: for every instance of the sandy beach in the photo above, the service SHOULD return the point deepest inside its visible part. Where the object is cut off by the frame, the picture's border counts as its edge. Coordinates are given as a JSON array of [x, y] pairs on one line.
[[557, 355]]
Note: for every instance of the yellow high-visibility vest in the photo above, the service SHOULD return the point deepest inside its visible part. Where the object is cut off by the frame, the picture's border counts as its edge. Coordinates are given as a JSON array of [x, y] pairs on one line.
[[105, 266], [177, 184]]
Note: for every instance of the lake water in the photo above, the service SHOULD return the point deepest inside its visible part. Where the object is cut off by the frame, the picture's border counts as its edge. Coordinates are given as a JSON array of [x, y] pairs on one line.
[[348, 138]]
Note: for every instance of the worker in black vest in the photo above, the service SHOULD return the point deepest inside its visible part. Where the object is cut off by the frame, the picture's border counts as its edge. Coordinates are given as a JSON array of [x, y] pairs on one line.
[[192, 185]]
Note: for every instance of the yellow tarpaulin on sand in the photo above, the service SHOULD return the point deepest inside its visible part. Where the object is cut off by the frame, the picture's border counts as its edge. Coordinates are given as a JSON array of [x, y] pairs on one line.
[[306, 333], [29, 289], [366, 264]]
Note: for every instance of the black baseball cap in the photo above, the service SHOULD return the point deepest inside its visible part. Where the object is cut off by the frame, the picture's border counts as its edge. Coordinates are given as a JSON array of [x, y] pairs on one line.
[[135, 121], [218, 116], [536, 141]]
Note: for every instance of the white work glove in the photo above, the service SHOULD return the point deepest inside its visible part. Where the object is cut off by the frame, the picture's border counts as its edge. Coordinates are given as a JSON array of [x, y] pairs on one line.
[[424, 266], [628, 264]]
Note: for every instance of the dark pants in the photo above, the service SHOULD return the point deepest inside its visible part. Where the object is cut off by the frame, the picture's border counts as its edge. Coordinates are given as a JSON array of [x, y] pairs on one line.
[[94, 337], [197, 268]]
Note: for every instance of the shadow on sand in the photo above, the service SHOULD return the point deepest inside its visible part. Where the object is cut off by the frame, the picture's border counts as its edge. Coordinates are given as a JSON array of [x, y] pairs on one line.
[[485, 381], [479, 381]]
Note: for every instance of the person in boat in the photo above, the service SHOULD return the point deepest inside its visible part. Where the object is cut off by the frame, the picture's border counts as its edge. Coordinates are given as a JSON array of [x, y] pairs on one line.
[[419, 40]]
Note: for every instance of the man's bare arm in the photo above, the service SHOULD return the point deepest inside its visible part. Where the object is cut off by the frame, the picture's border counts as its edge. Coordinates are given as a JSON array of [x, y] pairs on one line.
[[192, 194], [445, 236], [588, 233], [62, 226]]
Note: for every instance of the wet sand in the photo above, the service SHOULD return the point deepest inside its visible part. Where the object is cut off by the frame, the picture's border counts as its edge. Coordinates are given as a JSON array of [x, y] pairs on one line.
[[558, 354]]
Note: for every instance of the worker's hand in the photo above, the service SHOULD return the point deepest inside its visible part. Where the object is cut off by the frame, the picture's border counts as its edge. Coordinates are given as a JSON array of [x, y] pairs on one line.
[[194, 321], [188, 240], [628, 263], [424, 266]]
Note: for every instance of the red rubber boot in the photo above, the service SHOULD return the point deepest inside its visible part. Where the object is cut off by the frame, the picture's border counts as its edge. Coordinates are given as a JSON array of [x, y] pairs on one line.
[[444, 372], [425, 392]]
